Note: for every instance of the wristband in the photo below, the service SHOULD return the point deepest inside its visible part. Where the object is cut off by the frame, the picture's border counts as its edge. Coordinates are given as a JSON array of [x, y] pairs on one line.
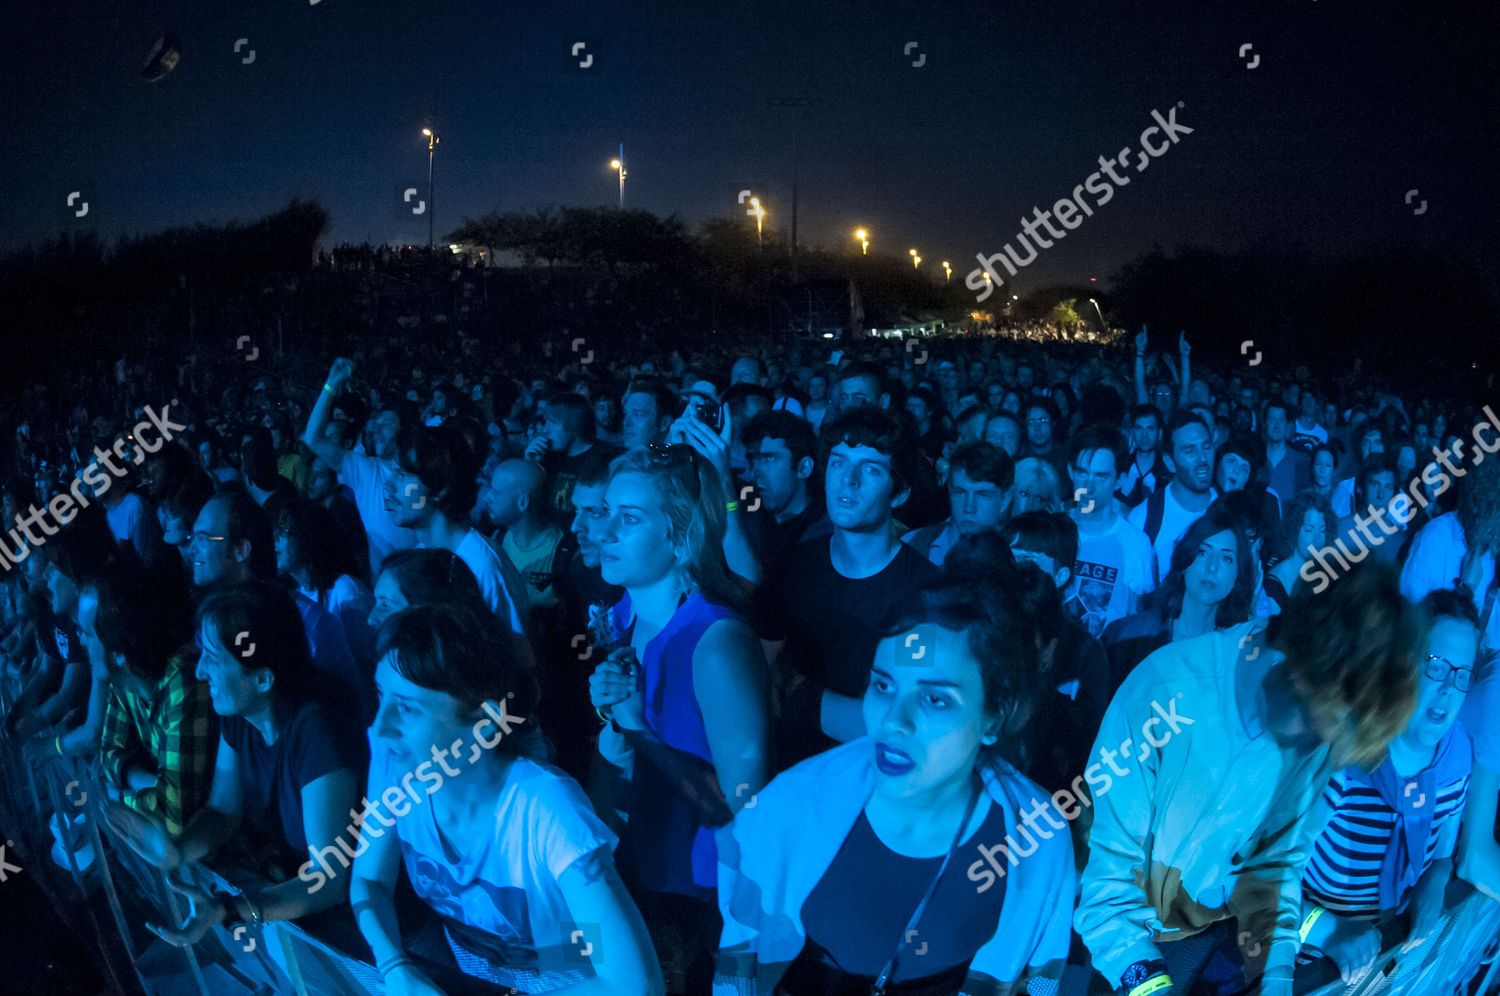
[[1154, 984], [327, 387], [733, 506], [57, 742], [1308, 921]]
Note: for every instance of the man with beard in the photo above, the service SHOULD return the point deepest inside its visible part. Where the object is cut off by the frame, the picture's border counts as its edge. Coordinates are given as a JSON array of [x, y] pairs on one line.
[[1166, 515]]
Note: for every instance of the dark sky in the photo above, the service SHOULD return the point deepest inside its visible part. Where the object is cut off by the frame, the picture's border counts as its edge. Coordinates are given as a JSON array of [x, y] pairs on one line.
[[1351, 105]]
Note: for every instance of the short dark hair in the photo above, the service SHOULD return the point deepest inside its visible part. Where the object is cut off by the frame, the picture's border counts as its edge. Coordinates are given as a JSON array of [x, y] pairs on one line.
[[462, 650], [1248, 448], [429, 576], [1145, 411], [1045, 404], [1265, 409], [664, 397], [1052, 533], [140, 620], [882, 432], [1181, 418], [592, 467], [574, 411], [783, 425], [1447, 603], [247, 522], [1099, 437], [981, 461], [439, 457]]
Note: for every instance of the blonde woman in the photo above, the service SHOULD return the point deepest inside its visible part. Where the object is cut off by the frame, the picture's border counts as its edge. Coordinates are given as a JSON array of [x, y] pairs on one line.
[[684, 696]]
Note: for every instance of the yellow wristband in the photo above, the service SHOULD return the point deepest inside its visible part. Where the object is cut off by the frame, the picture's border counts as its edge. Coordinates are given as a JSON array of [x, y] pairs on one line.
[[1151, 985], [1308, 921]]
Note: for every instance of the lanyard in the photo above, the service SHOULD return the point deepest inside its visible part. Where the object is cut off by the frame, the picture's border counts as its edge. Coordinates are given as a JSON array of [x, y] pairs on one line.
[[911, 925]]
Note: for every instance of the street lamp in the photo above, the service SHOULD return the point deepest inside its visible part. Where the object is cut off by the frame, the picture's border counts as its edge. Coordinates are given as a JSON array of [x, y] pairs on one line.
[[760, 217], [947, 270], [618, 165], [915, 259], [432, 141], [1102, 325], [863, 238]]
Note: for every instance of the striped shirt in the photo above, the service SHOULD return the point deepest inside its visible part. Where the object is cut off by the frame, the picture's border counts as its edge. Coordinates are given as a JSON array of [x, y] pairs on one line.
[[1343, 873]]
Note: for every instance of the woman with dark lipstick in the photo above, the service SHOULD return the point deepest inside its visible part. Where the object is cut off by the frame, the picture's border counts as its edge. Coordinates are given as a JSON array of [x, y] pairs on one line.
[[889, 863]]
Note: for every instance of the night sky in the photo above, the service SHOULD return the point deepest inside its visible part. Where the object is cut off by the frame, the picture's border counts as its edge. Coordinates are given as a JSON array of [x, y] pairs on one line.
[[1351, 105]]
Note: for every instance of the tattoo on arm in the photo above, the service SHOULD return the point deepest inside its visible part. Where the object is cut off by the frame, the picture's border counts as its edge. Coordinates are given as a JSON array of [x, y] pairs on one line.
[[596, 866]]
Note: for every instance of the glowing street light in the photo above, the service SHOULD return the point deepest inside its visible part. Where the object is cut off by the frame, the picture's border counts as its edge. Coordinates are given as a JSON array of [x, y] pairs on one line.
[[1102, 324], [863, 238], [947, 270], [916, 261], [618, 165], [760, 217], [432, 141]]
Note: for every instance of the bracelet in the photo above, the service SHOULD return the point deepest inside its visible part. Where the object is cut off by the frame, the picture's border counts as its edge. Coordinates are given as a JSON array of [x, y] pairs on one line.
[[1151, 985], [1308, 921], [603, 716], [392, 963], [327, 387], [57, 742], [733, 506]]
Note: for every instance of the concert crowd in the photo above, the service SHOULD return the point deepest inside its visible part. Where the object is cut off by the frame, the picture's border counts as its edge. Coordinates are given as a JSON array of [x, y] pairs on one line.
[[994, 664]]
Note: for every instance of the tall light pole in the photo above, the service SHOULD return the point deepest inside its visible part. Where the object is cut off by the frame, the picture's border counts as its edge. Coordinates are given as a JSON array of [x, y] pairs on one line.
[[432, 141], [1102, 326], [947, 270], [760, 217], [863, 238], [916, 261], [618, 165]]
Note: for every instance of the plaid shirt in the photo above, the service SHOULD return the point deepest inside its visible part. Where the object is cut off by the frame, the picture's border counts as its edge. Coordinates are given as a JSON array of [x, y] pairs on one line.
[[174, 734]]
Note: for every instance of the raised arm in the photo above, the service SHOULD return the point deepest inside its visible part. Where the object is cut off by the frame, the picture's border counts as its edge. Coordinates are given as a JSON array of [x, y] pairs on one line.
[[1183, 350], [325, 449], [1141, 396]]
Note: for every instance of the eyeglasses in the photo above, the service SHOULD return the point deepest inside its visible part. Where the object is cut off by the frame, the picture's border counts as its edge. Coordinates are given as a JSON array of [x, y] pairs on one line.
[[202, 537], [1038, 421], [1438, 668]]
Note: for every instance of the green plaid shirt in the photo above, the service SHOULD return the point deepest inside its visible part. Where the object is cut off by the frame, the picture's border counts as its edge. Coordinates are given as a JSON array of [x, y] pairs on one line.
[[174, 734]]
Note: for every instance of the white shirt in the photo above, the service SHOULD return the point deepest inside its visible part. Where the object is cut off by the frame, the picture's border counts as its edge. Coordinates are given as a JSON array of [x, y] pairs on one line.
[[1174, 522], [127, 521], [366, 477], [505, 886], [1114, 569], [499, 581], [1434, 561]]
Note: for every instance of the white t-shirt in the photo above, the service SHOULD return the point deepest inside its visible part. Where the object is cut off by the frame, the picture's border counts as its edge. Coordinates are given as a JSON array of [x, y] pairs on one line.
[[1174, 522], [499, 581], [1114, 569], [1342, 498], [1434, 561], [366, 477], [505, 887], [128, 522]]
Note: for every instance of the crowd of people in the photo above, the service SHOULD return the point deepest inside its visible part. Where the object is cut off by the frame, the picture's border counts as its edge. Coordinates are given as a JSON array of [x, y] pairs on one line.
[[1009, 666]]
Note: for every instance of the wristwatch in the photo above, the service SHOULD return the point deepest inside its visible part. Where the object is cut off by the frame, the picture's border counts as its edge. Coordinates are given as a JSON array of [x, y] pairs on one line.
[[1144, 977]]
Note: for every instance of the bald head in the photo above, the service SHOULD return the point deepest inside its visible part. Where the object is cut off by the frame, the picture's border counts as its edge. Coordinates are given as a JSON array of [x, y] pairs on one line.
[[515, 490]]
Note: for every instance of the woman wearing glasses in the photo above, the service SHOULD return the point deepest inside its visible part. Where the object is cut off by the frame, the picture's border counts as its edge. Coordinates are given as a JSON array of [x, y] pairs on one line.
[[684, 696], [1388, 846], [916, 859]]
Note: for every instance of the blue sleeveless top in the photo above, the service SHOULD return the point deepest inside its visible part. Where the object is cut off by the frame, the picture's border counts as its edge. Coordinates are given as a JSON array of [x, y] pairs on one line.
[[667, 847]]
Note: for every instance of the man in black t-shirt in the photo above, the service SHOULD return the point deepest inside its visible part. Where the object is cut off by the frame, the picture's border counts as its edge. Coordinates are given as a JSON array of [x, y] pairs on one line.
[[782, 453], [819, 614]]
